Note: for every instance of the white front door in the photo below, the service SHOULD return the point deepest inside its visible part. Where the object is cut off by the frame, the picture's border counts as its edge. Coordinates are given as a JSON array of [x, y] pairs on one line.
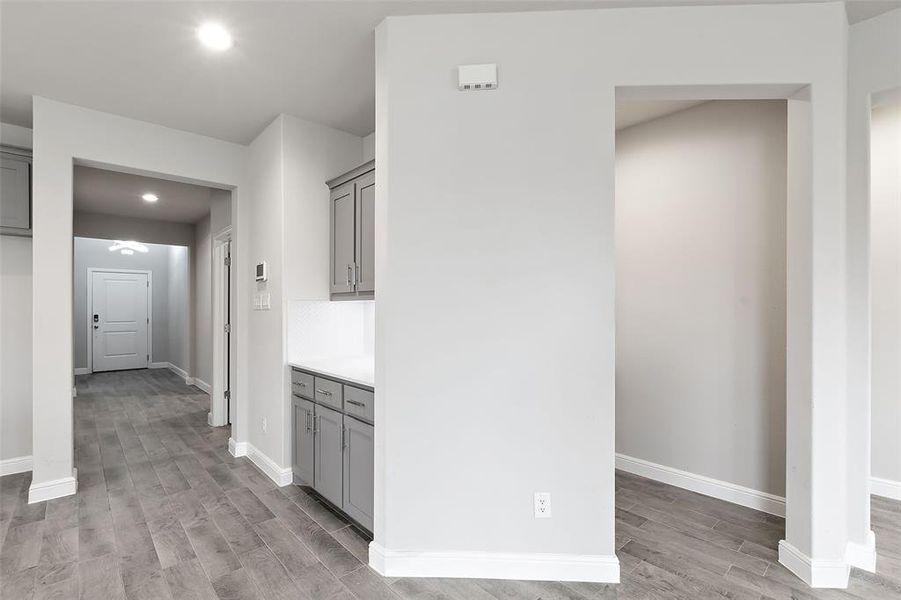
[[119, 321]]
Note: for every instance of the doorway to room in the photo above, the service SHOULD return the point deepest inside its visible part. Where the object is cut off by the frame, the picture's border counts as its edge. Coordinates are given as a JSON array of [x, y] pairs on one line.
[[119, 308]]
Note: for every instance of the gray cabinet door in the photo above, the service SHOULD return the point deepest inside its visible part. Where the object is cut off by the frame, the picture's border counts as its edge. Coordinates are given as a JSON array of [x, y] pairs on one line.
[[303, 439], [359, 454], [15, 194], [328, 454], [365, 246], [342, 239]]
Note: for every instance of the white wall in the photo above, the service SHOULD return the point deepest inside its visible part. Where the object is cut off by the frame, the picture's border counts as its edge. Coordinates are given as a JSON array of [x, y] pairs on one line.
[[369, 147], [63, 133], [700, 292], [178, 318], [876, 37], [15, 329], [91, 253], [885, 274], [148, 231], [15, 347], [496, 287], [289, 165]]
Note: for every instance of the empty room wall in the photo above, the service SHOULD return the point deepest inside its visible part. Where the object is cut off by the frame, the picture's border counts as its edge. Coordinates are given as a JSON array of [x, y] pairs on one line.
[[15, 336], [700, 284], [92, 253], [885, 281], [178, 309]]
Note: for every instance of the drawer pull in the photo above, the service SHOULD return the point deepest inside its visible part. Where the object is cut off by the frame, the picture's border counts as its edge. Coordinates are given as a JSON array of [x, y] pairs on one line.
[[355, 403], [323, 392], [301, 384]]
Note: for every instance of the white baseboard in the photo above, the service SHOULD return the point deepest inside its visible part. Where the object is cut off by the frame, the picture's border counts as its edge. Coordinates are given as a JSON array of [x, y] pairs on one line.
[[57, 488], [159, 365], [178, 371], [11, 466], [885, 488], [862, 556], [817, 573], [494, 565], [81, 370], [203, 385], [237, 449], [280, 476], [730, 492]]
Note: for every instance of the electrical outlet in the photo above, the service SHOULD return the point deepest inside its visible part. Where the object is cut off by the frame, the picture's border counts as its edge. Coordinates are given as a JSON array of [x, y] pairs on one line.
[[542, 505], [265, 425]]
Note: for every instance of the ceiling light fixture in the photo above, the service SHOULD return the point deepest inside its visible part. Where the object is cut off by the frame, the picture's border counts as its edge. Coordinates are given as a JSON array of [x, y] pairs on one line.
[[148, 197], [131, 246], [215, 36]]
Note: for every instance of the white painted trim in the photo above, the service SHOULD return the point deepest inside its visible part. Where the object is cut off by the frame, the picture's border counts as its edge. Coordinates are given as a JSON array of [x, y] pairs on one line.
[[817, 573], [862, 556], [281, 476], [158, 365], [178, 371], [203, 385], [90, 302], [219, 406], [189, 381], [885, 488], [730, 492], [494, 565], [11, 466], [81, 371], [57, 488], [237, 449]]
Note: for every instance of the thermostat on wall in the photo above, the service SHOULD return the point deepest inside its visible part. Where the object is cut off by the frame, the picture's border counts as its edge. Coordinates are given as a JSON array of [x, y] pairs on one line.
[[262, 273]]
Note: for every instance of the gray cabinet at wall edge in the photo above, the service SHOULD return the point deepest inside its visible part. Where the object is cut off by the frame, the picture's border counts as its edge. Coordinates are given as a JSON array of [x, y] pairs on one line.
[[365, 233], [341, 239], [359, 467], [15, 192], [303, 413], [328, 454]]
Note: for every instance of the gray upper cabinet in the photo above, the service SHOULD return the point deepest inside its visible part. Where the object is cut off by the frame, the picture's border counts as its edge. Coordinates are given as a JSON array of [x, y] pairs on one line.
[[303, 412], [328, 454], [342, 239], [359, 469], [15, 193], [353, 234]]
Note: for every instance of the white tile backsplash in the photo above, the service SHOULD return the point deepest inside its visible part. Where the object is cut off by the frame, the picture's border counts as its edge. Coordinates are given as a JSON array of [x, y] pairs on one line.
[[322, 329]]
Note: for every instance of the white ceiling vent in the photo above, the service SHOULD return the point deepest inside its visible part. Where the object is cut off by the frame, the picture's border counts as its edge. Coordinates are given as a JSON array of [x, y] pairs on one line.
[[477, 77]]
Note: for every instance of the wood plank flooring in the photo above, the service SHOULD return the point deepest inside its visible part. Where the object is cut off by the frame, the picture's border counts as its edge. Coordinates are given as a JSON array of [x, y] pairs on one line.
[[163, 511]]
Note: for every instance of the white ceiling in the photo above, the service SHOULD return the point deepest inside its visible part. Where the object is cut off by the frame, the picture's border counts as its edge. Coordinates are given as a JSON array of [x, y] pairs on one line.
[[313, 60], [113, 193], [633, 112]]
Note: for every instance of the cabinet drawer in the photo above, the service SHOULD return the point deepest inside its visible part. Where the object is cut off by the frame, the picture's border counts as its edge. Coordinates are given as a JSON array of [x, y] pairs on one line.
[[359, 403], [302, 384], [328, 392]]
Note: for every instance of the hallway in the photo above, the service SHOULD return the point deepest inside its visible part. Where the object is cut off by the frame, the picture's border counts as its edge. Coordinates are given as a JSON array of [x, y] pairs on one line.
[[164, 511]]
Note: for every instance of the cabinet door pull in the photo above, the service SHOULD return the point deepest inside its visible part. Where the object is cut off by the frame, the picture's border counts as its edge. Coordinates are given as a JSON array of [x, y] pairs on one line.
[[343, 437], [349, 274], [323, 392], [315, 421], [309, 426], [355, 403], [359, 272]]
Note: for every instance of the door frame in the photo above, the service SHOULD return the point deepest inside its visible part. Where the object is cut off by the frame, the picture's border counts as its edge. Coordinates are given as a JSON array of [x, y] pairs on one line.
[[90, 304], [221, 293]]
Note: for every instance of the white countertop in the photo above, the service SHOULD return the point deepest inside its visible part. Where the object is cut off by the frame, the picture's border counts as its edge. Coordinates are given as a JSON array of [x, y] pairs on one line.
[[353, 369]]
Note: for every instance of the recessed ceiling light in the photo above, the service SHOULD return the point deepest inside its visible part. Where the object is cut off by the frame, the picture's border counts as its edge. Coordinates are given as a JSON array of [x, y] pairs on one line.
[[150, 197], [127, 252], [215, 36]]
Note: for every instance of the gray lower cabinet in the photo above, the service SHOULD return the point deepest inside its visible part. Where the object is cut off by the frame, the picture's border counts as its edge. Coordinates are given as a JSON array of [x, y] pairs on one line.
[[303, 413], [15, 193], [328, 454], [358, 471], [334, 442]]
